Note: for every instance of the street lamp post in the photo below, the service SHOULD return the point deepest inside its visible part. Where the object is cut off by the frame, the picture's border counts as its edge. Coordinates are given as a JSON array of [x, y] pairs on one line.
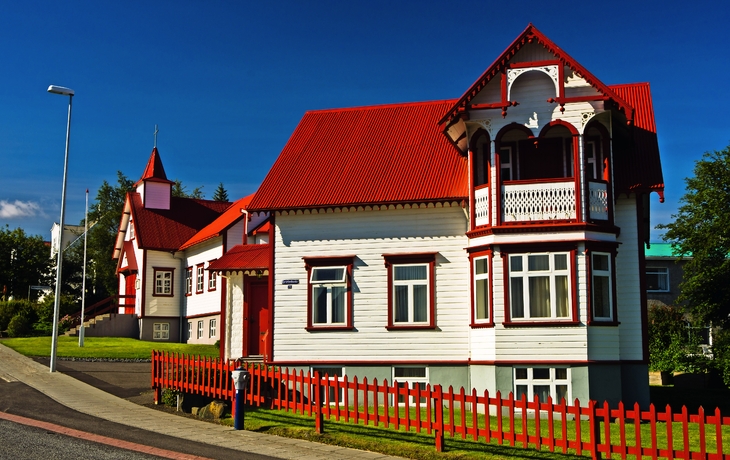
[[83, 283], [57, 301]]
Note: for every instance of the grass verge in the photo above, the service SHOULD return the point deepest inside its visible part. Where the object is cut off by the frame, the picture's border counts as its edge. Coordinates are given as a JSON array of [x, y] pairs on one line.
[[102, 347]]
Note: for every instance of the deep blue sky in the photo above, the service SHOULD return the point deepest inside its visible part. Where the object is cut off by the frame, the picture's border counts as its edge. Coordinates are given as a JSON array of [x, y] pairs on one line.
[[228, 81]]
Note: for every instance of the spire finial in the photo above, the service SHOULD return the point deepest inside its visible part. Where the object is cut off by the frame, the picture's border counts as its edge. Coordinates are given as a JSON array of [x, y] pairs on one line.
[[156, 131]]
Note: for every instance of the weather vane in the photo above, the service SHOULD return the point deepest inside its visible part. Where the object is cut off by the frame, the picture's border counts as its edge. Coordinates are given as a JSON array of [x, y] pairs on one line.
[[156, 131]]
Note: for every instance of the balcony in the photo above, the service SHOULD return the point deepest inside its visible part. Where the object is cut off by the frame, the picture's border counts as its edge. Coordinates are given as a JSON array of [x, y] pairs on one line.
[[481, 206], [538, 201]]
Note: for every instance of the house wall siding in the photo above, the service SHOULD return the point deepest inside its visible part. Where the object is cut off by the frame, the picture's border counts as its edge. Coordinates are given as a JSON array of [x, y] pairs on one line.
[[162, 305], [206, 301], [369, 235], [156, 195], [234, 319]]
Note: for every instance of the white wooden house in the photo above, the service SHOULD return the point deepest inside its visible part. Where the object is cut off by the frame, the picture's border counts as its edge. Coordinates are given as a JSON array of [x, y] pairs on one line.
[[165, 246], [494, 241]]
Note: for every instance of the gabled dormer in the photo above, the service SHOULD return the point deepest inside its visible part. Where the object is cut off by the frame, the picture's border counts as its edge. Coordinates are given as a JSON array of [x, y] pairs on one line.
[[153, 187], [538, 130]]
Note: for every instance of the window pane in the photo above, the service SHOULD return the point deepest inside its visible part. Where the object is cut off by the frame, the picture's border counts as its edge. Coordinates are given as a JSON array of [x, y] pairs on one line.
[[539, 297], [561, 262], [538, 262], [541, 373], [561, 392], [420, 304], [482, 301], [521, 373], [401, 304], [481, 266], [561, 296], [542, 392], [521, 390], [409, 372], [338, 304], [328, 274], [515, 263], [561, 373], [329, 371], [319, 307], [601, 299], [516, 298], [600, 262], [406, 273]]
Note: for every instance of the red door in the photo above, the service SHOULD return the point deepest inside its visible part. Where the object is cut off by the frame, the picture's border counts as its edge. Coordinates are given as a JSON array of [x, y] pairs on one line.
[[129, 282], [258, 317]]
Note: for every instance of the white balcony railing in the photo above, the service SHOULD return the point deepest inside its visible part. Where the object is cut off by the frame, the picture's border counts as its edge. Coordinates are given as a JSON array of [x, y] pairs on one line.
[[481, 206], [598, 200], [538, 201]]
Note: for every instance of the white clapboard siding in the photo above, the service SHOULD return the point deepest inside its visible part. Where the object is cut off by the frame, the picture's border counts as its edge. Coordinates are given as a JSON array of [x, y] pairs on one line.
[[206, 301], [158, 305], [234, 316], [627, 278], [234, 235], [156, 195], [369, 235]]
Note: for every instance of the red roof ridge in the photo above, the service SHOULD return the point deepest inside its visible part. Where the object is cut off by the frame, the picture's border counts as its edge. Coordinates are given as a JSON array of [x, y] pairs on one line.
[[381, 106]]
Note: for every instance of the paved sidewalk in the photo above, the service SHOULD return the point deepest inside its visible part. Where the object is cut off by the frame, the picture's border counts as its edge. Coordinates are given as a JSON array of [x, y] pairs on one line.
[[89, 400]]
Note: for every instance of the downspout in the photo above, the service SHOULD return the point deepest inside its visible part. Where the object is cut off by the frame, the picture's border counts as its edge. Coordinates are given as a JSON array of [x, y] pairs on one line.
[[182, 295]]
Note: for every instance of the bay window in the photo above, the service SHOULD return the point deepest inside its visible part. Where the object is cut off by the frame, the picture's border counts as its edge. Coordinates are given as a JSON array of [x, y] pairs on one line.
[[481, 290], [540, 286], [601, 286], [329, 297]]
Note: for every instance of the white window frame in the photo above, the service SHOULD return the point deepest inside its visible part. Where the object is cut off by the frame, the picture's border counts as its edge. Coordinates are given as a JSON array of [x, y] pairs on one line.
[[596, 273], [212, 280], [552, 273], [554, 381], [410, 284], [329, 285], [199, 278], [411, 382], [505, 152], [594, 160], [340, 372], [190, 330], [131, 230], [659, 272], [164, 281], [189, 281], [482, 278], [212, 324], [200, 329], [160, 331]]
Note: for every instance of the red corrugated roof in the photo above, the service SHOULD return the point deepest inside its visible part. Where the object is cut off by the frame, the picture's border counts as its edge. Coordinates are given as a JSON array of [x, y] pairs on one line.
[[243, 257], [154, 170], [167, 230], [367, 155], [529, 35], [639, 168], [218, 226]]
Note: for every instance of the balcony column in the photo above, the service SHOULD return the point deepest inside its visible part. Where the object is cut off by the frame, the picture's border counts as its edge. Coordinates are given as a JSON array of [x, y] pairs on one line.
[[581, 182]]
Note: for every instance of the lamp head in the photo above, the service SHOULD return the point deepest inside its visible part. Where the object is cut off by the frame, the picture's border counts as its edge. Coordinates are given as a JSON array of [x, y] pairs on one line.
[[60, 90]]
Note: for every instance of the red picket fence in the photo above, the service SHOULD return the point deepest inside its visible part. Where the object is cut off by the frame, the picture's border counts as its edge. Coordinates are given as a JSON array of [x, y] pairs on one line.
[[596, 430]]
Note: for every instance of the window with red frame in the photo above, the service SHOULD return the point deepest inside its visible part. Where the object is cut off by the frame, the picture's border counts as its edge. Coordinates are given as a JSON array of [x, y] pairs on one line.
[[329, 297], [212, 280], [410, 290]]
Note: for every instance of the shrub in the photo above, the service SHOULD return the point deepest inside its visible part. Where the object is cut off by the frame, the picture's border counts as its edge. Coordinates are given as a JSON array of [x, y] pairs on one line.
[[169, 397], [9, 309], [22, 323], [44, 311], [667, 338]]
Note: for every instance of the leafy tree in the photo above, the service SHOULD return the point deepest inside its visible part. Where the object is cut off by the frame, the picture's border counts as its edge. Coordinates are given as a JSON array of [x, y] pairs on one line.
[[701, 232], [104, 218], [220, 193], [24, 261], [180, 191]]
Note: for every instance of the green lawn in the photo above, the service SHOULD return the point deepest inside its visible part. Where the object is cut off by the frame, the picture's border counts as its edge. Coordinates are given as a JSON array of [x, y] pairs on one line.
[[102, 347]]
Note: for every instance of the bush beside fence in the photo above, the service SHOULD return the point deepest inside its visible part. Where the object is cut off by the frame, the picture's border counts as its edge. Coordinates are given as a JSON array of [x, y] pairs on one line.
[[596, 430]]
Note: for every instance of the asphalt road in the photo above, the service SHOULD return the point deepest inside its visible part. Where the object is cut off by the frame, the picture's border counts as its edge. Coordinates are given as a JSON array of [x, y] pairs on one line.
[[121, 379], [21, 442]]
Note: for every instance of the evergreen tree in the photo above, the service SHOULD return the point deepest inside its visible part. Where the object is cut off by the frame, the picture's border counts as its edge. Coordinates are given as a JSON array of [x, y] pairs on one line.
[[220, 193], [180, 191]]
